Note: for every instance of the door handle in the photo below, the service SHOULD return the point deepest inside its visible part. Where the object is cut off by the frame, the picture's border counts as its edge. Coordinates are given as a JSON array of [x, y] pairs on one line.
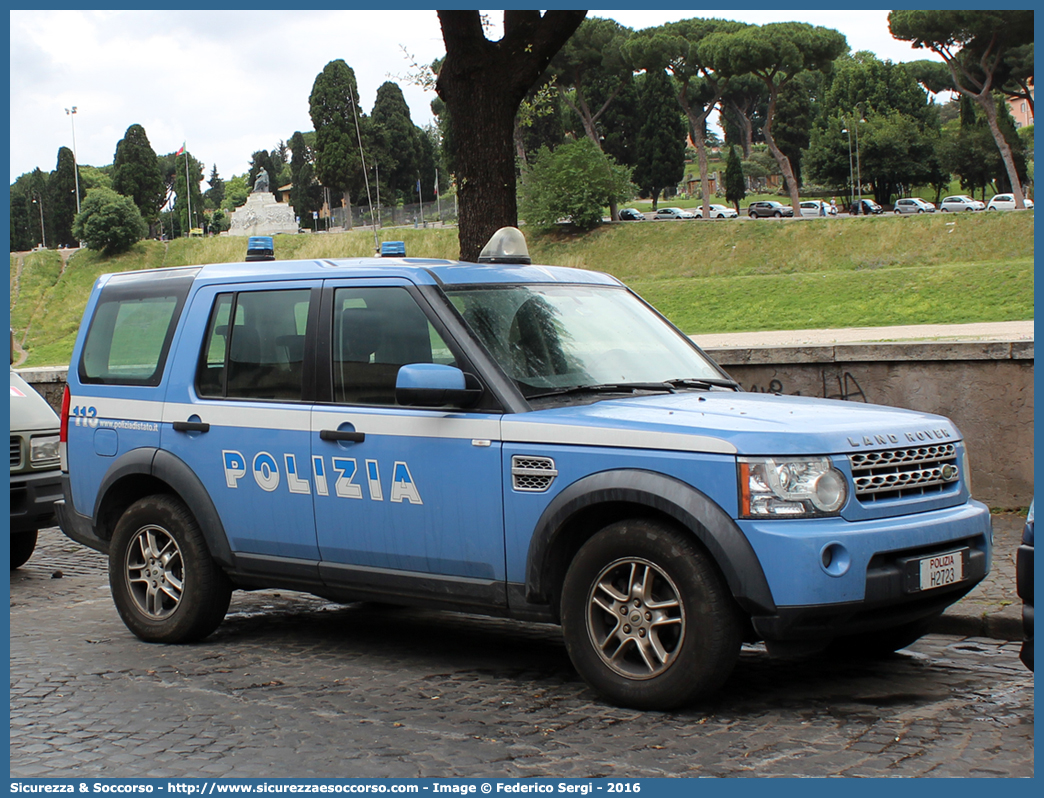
[[191, 426], [338, 435]]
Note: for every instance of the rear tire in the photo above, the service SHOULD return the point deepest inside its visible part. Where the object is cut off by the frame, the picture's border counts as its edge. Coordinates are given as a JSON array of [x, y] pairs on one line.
[[166, 586], [648, 620], [22, 546]]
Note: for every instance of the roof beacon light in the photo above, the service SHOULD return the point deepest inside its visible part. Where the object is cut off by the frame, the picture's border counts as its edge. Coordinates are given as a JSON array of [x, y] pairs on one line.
[[507, 245], [393, 249]]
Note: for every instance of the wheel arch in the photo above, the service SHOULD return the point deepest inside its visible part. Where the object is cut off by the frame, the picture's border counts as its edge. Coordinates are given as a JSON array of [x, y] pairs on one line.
[[147, 471], [590, 504]]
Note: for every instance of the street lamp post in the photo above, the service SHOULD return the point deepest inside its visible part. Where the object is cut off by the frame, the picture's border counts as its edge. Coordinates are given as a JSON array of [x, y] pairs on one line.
[[71, 113], [857, 177], [859, 172], [43, 235], [851, 170]]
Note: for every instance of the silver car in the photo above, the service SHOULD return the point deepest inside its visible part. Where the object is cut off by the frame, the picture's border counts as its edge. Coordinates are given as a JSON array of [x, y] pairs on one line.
[[961, 202], [673, 213], [913, 205]]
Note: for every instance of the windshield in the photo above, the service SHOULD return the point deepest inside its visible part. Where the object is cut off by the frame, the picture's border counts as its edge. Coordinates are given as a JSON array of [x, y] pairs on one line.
[[549, 337]]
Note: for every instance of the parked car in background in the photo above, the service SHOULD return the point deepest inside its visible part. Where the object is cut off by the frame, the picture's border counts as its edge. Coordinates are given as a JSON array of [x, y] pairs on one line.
[[815, 208], [673, 213], [1024, 580], [718, 212], [1006, 202], [36, 475], [631, 215], [913, 205], [769, 208], [866, 207], [961, 202]]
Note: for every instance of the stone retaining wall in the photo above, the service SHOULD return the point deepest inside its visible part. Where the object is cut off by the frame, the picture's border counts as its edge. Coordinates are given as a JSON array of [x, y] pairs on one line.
[[986, 388]]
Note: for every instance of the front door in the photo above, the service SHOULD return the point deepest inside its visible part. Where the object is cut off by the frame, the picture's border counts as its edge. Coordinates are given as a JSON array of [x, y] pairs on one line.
[[406, 499]]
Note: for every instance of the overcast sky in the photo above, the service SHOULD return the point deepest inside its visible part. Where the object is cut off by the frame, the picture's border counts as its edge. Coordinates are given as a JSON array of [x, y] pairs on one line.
[[228, 83]]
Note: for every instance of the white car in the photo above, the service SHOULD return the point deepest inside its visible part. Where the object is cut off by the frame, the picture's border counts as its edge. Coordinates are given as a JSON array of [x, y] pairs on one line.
[[813, 208], [961, 202], [913, 205], [718, 212], [673, 213], [1006, 202]]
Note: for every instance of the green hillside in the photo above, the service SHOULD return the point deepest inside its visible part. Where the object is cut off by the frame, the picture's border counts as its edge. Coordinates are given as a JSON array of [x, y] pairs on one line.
[[720, 276]]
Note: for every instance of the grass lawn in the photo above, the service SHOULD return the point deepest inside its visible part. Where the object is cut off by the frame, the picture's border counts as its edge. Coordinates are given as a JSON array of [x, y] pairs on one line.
[[706, 276]]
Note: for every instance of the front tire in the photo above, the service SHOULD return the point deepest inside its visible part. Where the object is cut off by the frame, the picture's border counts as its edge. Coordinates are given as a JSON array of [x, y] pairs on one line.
[[22, 546], [166, 586], [648, 620]]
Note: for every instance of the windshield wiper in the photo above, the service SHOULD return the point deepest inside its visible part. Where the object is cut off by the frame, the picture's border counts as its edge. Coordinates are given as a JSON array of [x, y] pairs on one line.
[[703, 382], [611, 387]]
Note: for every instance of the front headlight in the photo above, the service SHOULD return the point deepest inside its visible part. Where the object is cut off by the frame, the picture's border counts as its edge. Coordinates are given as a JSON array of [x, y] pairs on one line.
[[790, 487], [43, 448]]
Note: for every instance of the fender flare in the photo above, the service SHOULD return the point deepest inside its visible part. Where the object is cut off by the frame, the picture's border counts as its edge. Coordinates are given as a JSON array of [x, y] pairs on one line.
[[695, 511], [173, 471]]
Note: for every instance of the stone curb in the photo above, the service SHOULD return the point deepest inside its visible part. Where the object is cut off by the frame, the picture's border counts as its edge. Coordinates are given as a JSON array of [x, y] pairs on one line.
[[997, 627]]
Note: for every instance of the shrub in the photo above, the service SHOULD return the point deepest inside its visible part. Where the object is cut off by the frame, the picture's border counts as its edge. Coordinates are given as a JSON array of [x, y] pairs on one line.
[[573, 182], [109, 222]]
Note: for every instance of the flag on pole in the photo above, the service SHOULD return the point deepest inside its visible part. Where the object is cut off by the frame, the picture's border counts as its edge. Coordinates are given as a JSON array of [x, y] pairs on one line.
[[418, 187], [180, 151]]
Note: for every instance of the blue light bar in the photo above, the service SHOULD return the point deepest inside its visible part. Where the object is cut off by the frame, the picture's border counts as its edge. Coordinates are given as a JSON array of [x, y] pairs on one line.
[[393, 249]]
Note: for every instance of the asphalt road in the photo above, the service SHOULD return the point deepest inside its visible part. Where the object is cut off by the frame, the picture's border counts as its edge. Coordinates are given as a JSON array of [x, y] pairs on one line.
[[294, 686]]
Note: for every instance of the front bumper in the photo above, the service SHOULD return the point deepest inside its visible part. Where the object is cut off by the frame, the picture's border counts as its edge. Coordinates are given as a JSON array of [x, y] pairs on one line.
[[871, 580], [32, 499]]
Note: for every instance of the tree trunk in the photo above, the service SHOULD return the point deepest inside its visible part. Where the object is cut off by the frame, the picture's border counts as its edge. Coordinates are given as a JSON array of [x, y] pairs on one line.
[[697, 122], [588, 120], [989, 106], [777, 153], [482, 84]]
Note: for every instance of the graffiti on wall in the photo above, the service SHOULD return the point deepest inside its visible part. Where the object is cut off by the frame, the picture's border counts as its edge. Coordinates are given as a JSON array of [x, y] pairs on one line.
[[847, 387]]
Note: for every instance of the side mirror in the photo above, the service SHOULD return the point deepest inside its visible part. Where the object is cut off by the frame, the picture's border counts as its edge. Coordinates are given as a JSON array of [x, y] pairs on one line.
[[433, 385]]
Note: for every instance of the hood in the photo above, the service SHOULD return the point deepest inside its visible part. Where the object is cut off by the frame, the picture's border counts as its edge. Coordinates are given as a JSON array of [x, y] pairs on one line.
[[732, 423], [29, 410]]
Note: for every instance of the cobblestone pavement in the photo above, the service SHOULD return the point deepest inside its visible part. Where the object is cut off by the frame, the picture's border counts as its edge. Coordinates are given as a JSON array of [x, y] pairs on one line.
[[294, 686]]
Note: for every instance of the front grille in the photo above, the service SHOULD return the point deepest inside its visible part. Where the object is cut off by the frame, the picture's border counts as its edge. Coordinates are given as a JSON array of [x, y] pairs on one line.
[[532, 474], [16, 452], [898, 473]]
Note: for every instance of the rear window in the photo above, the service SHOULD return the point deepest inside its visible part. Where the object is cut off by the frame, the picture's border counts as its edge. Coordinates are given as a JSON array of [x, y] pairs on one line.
[[132, 327]]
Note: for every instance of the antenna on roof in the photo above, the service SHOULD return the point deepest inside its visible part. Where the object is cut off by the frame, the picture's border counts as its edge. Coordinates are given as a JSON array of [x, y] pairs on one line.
[[362, 157]]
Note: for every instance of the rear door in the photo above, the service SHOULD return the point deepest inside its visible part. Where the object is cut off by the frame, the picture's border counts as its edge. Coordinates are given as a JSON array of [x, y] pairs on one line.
[[239, 413]]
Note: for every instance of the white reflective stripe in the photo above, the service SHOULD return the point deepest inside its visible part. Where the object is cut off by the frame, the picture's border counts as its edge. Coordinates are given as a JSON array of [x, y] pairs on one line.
[[423, 424], [571, 435], [243, 414]]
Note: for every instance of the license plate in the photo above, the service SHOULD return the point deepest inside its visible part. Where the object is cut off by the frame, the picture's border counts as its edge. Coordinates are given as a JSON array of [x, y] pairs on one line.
[[940, 570]]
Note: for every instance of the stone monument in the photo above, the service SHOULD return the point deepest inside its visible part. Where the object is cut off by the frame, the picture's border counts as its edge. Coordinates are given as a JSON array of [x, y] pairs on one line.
[[262, 215]]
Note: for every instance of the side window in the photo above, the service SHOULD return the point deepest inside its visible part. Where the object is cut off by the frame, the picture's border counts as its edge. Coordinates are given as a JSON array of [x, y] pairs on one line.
[[376, 331], [254, 346]]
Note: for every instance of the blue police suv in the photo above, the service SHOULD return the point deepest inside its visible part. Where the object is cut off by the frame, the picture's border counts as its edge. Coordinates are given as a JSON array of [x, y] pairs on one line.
[[500, 438]]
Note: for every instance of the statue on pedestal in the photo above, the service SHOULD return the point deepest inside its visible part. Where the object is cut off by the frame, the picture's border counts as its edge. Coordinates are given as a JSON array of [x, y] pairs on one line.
[[261, 185]]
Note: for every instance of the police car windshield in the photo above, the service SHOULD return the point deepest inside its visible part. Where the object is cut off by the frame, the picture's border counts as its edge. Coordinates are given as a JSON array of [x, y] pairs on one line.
[[553, 337]]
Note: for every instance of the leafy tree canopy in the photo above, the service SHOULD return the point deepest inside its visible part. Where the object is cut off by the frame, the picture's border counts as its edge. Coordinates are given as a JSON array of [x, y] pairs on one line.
[[136, 173]]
